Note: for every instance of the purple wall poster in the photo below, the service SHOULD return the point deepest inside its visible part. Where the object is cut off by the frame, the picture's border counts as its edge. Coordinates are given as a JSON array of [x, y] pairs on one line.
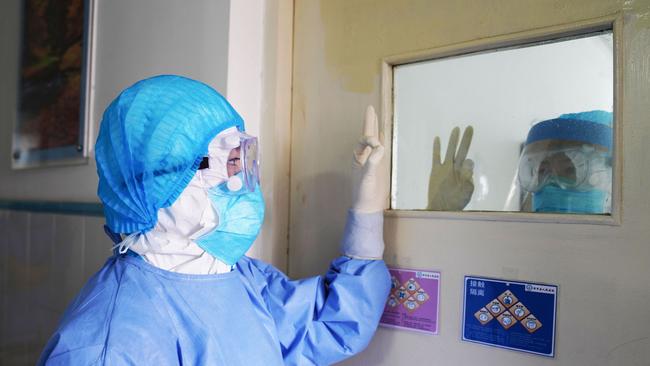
[[413, 301]]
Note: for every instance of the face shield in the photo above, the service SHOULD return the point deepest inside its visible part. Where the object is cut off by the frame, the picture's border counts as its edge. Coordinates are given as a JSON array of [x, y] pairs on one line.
[[232, 158], [565, 166]]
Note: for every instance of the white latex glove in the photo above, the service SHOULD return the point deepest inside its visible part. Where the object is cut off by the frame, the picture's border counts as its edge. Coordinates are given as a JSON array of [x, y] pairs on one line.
[[364, 231], [450, 183], [369, 190]]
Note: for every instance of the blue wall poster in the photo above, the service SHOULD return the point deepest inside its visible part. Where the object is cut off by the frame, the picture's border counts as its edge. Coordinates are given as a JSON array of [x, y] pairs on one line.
[[508, 314]]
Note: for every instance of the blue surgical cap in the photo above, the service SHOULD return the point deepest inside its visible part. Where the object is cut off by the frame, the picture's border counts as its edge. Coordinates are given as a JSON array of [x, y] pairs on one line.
[[152, 139], [592, 127]]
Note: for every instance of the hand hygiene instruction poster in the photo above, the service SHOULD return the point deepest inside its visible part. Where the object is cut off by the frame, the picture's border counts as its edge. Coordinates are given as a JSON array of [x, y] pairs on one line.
[[413, 300], [513, 315]]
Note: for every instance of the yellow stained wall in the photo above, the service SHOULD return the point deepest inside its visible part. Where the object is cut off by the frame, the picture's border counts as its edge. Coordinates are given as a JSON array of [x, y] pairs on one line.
[[603, 271], [359, 33]]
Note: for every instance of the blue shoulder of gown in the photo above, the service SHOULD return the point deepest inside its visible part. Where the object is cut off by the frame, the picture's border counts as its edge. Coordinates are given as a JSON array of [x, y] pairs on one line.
[[131, 313]]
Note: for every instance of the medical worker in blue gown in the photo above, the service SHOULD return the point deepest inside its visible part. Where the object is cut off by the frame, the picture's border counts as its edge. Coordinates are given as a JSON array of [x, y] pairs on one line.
[[179, 182]]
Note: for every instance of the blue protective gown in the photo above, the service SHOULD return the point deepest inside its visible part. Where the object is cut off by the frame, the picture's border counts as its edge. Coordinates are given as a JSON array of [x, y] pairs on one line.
[[152, 140], [132, 313]]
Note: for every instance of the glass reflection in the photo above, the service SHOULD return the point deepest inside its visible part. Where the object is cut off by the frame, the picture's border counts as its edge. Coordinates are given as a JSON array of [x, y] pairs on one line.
[[537, 130]]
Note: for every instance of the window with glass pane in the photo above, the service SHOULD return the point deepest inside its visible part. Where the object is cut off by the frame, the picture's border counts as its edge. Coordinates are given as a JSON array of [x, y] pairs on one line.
[[527, 128]]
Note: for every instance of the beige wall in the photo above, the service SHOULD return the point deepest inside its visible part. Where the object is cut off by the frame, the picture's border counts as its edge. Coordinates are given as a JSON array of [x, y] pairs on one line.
[[602, 270]]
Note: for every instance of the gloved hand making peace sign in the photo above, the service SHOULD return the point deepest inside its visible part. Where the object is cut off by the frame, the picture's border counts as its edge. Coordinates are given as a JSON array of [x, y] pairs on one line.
[[363, 237], [370, 188], [450, 183]]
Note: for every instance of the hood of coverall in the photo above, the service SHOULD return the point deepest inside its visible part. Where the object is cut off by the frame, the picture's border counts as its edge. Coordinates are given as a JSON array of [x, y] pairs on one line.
[[152, 139]]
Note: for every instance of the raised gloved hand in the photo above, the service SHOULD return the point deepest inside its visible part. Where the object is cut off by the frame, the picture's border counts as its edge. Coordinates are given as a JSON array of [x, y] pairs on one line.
[[370, 189], [364, 231], [450, 183]]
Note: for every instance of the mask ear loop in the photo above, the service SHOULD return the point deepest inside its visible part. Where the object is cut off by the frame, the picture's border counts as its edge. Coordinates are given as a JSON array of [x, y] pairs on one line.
[[125, 244], [121, 244]]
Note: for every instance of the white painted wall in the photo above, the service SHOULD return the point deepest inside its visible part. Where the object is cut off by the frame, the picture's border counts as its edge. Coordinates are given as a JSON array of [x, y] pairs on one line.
[[602, 271], [259, 87]]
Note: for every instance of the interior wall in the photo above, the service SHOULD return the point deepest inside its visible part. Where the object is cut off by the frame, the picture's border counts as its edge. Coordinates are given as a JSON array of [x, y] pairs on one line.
[[44, 260], [601, 270], [46, 257], [242, 49], [259, 87], [132, 40]]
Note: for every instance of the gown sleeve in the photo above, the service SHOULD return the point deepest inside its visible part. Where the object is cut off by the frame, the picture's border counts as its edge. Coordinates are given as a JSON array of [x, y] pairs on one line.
[[324, 319]]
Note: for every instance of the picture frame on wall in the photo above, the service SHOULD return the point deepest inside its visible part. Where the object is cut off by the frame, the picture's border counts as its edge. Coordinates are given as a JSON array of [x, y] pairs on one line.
[[51, 123]]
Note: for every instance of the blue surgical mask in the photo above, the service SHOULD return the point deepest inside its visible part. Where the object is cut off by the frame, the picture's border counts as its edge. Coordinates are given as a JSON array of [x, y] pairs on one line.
[[552, 198], [241, 214]]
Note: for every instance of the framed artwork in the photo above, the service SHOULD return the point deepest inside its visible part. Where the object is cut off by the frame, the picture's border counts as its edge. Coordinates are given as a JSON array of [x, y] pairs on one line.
[[52, 95]]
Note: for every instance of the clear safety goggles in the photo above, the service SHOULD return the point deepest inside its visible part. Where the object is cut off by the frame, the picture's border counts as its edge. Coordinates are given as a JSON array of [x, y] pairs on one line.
[[242, 164], [249, 161], [567, 168]]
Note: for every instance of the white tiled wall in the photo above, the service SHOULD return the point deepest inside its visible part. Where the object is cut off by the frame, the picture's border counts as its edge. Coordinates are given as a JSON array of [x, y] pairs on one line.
[[44, 260]]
